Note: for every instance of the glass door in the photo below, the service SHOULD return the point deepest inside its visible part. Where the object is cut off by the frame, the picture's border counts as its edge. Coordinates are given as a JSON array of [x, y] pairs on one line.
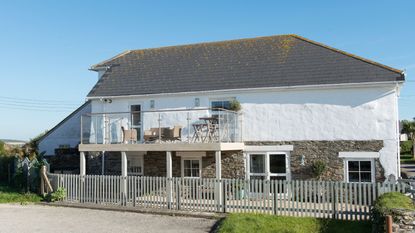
[[136, 119]]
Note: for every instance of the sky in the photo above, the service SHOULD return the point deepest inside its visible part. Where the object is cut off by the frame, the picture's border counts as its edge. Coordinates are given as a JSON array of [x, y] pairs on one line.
[[47, 47]]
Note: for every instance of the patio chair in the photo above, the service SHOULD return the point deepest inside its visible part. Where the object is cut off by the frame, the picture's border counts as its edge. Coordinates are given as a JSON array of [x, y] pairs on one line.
[[151, 134], [175, 133], [129, 135]]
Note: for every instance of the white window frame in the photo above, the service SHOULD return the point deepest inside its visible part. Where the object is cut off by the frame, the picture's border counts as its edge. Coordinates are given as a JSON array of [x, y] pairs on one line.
[[359, 156], [183, 158], [267, 173], [372, 169]]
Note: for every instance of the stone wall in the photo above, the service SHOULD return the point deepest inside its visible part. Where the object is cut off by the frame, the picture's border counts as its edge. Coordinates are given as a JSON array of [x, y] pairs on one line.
[[232, 164], [403, 221], [328, 152]]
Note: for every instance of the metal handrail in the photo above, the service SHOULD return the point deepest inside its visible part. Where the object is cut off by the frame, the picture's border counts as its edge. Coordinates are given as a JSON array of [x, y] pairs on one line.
[[228, 134], [166, 110]]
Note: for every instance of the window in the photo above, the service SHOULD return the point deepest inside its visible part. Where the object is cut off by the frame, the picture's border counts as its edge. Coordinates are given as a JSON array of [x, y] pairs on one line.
[[257, 163], [191, 167], [271, 165], [360, 170], [225, 104], [134, 164]]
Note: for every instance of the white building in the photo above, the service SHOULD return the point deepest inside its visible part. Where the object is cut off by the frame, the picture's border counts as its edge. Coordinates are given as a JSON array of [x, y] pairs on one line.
[[301, 102]]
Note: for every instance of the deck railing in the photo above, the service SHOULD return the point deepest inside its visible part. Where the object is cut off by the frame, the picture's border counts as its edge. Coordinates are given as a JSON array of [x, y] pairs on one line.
[[322, 199], [161, 126]]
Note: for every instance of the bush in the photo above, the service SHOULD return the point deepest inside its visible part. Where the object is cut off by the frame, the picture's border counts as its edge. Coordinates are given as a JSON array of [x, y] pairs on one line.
[[235, 106], [406, 147], [318, 168], [58, 195], [383, 206]]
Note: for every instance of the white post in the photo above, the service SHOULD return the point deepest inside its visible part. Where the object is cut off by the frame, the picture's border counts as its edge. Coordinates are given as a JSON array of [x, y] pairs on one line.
[[123, 164], [169, 175], [124, 176], [103, 163], [82, 172], [82, 164], [218, 188]]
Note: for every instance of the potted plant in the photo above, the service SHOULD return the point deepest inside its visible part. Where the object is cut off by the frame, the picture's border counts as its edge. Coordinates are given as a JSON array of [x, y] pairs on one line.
[[234, 105]]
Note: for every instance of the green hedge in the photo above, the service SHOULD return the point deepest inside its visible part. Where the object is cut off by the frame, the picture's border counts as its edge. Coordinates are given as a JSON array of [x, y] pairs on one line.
[[406, 147], [383, 206]]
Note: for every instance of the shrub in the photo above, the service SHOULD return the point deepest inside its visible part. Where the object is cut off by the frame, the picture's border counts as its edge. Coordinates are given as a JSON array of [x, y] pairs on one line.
[[235, 106], [406, 147], [383, 206], [58, 195], [318, 168]]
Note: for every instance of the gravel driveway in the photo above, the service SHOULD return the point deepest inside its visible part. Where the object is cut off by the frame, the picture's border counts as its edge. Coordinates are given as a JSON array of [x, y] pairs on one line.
[[36, 218]]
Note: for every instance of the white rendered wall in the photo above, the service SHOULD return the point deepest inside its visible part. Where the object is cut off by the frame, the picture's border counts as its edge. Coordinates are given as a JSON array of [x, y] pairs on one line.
[[327, 113], [67, 133]]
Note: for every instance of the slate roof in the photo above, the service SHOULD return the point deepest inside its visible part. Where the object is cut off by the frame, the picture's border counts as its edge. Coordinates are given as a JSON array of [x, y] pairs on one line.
[[273, 61]]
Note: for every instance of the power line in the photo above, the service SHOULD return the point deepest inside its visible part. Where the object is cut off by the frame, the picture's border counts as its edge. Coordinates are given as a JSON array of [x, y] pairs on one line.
[[37, 100], [35, 106], [33, 110]]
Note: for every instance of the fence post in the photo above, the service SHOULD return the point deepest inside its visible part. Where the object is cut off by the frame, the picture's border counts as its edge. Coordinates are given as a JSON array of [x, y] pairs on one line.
[[334, 199], [178, 192], [169, 192], [218, 195], [389, 224], [274, 206], [134, 184], [224, 196]]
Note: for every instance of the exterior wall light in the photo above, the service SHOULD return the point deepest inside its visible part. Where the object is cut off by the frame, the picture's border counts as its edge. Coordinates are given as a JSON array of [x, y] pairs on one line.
[[152, 104], [197, 102]]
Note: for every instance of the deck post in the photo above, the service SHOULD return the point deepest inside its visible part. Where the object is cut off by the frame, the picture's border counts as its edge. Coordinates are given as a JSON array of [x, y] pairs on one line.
[[124, 176], [218, 186], [82, 164], [82, 173], [103, 163], [169, 176]]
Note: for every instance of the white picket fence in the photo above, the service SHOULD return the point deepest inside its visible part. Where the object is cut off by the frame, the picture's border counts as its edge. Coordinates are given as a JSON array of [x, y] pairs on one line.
[[322, 199]]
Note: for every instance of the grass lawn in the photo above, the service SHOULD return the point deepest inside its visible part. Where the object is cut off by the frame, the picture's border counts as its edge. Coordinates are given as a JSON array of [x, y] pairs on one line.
[[10, 195], [240, 223], [407, 159]]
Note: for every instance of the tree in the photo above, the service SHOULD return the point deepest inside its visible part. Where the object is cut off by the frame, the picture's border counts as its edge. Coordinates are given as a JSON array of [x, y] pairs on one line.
[[2, 150], [31, 148], [408, 127]]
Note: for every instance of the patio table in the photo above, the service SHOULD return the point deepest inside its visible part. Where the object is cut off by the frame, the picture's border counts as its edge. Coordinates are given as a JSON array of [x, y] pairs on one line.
[[212, 131], [199, 127]]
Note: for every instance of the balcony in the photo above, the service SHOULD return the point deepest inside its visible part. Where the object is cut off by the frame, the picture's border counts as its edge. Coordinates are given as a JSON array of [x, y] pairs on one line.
[[196, 129]]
